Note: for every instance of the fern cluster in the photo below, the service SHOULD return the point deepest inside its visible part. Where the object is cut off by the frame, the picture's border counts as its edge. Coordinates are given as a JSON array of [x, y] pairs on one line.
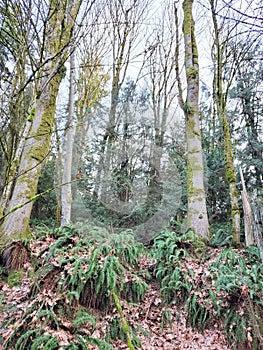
[[235, 297], [225, 287], [170, 250], [241, 277], [82, 268], [37, 328], [106, 263]]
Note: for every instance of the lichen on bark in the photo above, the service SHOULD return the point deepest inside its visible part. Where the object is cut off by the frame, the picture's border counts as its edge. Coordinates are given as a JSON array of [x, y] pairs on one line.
[[197, 219]]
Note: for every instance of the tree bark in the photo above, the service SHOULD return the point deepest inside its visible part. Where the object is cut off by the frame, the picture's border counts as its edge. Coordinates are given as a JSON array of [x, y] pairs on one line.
[[197, 219], [15, 221], [221, 99], [249, 237], [66, 190]]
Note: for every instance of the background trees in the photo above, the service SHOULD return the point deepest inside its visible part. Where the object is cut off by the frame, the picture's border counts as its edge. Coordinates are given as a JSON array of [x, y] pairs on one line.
[[110, 143]]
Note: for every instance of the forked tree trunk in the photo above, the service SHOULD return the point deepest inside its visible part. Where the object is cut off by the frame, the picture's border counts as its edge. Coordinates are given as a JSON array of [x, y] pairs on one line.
[[36, 150], [197, 219]]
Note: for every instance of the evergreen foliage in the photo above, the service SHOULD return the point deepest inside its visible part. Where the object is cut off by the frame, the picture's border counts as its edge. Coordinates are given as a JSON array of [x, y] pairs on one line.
[[44, 208], [235, 297]]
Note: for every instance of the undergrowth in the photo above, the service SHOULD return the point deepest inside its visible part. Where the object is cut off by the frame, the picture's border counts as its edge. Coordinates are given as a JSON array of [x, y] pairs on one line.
[[171, 250], [87, 272], [223, 287], [82, 268]]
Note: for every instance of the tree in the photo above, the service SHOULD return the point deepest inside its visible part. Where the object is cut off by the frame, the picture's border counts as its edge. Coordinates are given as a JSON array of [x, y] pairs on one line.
[[15, 101], [123, 32], [58, 21], [230, 49], [197, 219], [247, 95], [162, 82], [66, 193]]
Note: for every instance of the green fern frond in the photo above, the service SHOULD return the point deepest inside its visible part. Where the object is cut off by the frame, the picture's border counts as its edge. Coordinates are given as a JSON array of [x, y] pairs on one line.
[[40, 341], [21, 342], [50, 344], [83, 317], [48, 315]]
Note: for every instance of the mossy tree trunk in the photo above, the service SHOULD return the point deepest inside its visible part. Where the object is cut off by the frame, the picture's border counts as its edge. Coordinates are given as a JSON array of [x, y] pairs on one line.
[[15, 101], [197, 219], [60, 21], [220, 102]]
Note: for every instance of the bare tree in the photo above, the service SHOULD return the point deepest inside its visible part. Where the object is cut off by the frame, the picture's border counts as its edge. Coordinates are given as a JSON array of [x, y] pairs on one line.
[[57, 20], [232, 41], [162, 86], [66, 193], [197, 219], [124, 22]]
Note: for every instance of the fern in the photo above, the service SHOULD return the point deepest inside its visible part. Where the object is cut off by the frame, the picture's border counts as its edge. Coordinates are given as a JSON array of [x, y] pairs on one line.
[[49, 316], [134, 289], [40, 341], [22, 342], [235, 328], [82, 318], [166, 319], [221, 238], [50, 344], [197, 314], [170, 249]]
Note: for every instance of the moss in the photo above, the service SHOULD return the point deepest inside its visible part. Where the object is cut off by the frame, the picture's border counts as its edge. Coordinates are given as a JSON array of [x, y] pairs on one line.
[[38, 94], [62, 72], [44, 131], [230, 170], [187, 25], [192, 72], [31, 115], [192, 130], [125, 326], [15, 278], [187, 108]]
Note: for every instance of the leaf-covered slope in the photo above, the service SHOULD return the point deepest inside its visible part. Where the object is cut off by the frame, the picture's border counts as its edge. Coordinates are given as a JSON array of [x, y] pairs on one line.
[[88, 289]]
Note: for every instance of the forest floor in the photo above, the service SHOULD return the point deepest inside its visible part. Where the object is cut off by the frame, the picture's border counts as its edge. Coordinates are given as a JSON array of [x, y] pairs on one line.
[[147, 315], [158, 326]]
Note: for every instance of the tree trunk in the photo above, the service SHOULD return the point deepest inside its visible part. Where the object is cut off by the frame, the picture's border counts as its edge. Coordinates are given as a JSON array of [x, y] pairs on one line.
[[37, 146], [197, 219], [36, 150], [221, 99], [66, 190], [249, 237]]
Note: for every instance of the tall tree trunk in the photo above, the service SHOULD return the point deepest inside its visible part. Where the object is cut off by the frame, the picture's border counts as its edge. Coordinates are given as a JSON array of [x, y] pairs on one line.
[[197, 219], [66, 190], [35, 151], [58, 30], [221, 99]]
